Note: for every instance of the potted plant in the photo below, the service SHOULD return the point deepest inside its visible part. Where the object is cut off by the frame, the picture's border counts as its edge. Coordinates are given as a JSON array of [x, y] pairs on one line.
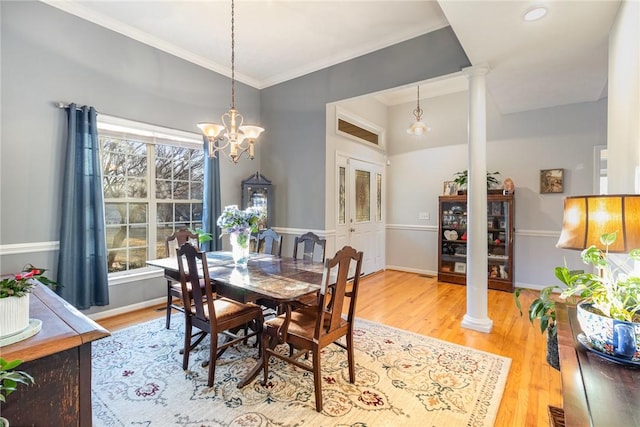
[[14, 298], [543, 309], [9, 380], [462, 178], [609, 308]]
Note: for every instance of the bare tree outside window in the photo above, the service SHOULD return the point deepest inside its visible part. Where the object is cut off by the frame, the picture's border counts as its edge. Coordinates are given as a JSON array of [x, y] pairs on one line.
[[150, 190]]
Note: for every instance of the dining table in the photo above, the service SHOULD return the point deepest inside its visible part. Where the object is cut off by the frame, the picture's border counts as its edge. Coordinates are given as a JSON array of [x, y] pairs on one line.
[[277, 280]]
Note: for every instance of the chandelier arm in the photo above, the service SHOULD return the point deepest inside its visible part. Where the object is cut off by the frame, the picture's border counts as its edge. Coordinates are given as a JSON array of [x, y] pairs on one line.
[[218, 144]]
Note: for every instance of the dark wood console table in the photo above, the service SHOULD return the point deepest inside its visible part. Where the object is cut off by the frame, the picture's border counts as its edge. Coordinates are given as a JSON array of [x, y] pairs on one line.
[[59, 359], [595, 391]]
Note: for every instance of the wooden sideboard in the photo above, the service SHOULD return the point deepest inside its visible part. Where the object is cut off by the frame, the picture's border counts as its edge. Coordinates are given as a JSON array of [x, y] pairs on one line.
[[59, 359], [595, 391]]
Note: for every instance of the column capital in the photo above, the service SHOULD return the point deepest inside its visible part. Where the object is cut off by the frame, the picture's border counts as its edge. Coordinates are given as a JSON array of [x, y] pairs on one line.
[[476, 70]]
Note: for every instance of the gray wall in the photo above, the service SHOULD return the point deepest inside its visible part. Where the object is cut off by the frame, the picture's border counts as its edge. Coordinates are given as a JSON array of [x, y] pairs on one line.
[[294, 113], [50, 56]]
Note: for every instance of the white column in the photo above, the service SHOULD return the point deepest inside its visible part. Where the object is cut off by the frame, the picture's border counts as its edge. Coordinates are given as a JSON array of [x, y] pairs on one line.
[[477, 282], [623, 116]]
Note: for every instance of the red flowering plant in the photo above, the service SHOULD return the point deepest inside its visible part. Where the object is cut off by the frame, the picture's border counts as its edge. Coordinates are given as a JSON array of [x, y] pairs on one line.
[[22, 283]]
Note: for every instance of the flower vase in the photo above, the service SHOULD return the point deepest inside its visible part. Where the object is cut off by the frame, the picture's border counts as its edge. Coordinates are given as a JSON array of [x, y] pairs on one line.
[[240, 247]]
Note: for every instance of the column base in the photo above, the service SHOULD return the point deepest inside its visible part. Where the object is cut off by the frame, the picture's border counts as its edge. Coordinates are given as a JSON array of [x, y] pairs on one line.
[[482, 325]]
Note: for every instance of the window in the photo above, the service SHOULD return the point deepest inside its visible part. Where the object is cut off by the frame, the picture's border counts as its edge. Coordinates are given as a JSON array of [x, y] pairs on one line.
[[358, 129], [357, 132], [153, 185]]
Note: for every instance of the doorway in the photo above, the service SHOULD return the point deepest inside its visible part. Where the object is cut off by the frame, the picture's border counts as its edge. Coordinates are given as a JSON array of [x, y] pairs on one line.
[[361, 219]]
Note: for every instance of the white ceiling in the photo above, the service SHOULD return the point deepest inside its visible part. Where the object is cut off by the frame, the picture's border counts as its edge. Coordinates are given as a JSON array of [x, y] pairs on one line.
[[558, 60]]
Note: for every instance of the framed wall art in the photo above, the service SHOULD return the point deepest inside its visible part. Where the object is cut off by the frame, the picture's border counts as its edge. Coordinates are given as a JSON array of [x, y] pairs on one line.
[[551, 181], [450, 188]]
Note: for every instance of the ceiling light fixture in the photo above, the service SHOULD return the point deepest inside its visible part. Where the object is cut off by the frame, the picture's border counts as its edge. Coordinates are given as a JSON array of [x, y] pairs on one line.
[[231, 133], [418, 128], [534, 14]]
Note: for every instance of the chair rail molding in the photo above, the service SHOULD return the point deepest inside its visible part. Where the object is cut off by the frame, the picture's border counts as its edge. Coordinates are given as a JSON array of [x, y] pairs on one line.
[[299, 231], [538, 233], [27, 248], [412, 227]]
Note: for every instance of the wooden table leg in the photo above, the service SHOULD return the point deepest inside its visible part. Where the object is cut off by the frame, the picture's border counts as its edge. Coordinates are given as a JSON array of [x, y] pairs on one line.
[[253, 373]]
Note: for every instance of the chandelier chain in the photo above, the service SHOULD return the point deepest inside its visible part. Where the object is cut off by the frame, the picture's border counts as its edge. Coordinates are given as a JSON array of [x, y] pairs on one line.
[[231, 138], [233, 58], [418, 111]]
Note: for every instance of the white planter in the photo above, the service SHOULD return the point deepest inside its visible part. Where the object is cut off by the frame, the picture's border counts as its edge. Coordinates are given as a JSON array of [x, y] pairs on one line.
[[14, 315]]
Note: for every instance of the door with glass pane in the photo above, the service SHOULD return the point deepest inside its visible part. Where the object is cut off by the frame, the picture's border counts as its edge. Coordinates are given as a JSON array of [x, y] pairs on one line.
[[365, 213]]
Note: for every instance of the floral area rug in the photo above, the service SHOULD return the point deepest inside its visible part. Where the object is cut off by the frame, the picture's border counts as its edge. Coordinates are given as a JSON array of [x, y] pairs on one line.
[[402, 379]]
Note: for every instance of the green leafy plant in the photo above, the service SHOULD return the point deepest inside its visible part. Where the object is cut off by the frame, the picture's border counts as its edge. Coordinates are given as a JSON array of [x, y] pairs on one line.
[[542, 309], [22, 283], [612, 290], [203, 236], [9, 378], [462, 178]]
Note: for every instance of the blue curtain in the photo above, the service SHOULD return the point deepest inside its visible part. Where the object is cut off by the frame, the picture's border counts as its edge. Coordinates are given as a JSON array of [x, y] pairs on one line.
[[211, 208], [82, 263]]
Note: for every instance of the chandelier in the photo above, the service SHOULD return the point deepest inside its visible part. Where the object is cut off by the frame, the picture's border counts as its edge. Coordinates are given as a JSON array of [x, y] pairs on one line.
[[239, 139], [419, 127]]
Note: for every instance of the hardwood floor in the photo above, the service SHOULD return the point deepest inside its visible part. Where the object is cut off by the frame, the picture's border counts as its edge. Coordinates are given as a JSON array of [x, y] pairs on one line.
[[420, 304]]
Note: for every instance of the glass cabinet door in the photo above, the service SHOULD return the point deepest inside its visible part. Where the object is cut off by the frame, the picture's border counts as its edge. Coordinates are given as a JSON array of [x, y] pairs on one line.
[[452, 241], [454, 237], [498, 239]]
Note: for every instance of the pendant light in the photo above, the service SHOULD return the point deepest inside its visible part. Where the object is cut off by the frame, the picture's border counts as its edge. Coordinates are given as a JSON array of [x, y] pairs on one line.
[[419, 127], [231, 135]]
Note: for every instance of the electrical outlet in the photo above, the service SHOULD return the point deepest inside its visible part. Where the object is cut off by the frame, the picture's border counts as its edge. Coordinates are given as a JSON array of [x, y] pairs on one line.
[[423, 216]]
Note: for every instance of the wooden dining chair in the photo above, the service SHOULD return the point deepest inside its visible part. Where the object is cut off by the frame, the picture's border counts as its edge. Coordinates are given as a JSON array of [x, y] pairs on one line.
[[269, 242], [311, 328], [309, 241], [174, 290], [212, 316]]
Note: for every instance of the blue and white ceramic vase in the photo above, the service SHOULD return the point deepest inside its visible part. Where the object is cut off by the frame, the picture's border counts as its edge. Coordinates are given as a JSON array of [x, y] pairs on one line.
[[615, 338]]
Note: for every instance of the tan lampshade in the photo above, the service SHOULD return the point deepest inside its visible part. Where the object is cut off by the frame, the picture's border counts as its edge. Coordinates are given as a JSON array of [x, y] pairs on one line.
[[586, 218]]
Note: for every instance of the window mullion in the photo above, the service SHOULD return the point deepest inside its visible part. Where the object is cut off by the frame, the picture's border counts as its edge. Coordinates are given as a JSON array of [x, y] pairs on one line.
[[151, 198]]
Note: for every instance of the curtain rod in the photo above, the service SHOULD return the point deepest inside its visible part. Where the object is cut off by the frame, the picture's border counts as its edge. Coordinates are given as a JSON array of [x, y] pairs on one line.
[[190, 136], [62, 105]]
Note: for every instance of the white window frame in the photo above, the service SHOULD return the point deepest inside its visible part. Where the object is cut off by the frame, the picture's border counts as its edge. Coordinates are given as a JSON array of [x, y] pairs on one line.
[[150, 134]]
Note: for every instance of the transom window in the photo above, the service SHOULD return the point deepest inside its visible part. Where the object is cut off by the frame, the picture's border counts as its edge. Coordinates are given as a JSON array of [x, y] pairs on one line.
[[152, 186]]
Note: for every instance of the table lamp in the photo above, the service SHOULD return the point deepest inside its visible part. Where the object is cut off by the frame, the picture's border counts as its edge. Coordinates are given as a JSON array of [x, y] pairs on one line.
[[586, 218]]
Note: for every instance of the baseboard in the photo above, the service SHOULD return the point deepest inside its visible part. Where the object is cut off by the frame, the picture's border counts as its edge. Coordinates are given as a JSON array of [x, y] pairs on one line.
[[127, 308], [411, 270]]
